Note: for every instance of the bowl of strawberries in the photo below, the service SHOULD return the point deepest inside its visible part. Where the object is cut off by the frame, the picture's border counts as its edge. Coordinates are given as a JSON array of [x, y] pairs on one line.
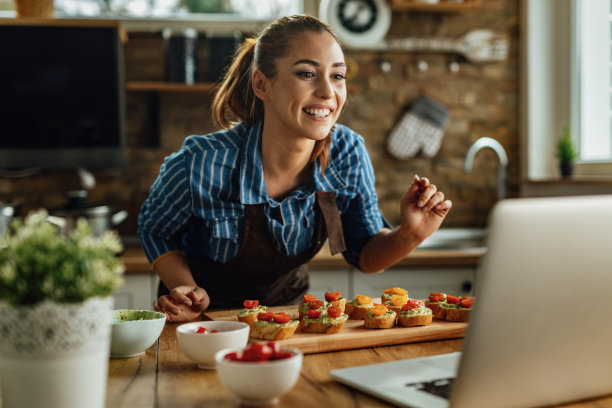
[[259, 373]]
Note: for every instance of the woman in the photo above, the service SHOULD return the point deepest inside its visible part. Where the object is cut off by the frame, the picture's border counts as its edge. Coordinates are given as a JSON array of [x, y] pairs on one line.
[[237, 214]]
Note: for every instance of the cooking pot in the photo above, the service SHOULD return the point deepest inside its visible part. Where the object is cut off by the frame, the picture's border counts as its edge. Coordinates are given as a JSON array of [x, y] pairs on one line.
[[101, 217]]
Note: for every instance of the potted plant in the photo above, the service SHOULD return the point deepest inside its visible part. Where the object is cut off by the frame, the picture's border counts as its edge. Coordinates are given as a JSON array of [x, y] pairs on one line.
[[566, 153], [55, 303]]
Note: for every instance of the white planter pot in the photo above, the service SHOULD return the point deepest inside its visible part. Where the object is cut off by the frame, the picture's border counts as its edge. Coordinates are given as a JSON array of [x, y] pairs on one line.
[[55, 355]]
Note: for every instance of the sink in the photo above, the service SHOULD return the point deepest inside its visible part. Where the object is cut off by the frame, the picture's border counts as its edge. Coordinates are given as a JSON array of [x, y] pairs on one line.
[[456, 238]]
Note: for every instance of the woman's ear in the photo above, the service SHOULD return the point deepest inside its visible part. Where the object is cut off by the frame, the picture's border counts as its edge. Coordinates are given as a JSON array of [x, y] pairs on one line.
[[261, 87]]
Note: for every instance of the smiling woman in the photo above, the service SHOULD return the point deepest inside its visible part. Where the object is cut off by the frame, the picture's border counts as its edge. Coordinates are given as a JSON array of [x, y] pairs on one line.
[[238, 213]]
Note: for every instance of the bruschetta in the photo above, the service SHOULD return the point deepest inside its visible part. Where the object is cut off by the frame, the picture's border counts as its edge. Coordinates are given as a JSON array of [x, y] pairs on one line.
[[358, 307], [390, 292], [414, 313], [273, 326], [249, 313], [336, 299], [331, 321], [379, 317]]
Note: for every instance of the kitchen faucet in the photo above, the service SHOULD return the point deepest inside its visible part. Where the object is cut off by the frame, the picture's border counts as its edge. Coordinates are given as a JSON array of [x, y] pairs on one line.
[[501, 155]]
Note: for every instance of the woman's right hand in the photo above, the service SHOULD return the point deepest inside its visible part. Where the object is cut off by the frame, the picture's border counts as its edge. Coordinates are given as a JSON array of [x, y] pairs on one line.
[[183, 303]]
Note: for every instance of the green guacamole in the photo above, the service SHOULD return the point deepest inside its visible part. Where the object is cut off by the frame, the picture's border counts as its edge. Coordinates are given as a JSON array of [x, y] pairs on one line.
[[417, 311], [326, 319], [256, 309], [127, 315]]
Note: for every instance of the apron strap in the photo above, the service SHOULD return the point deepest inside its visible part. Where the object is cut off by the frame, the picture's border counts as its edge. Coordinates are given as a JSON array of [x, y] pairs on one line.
[[333, 223]]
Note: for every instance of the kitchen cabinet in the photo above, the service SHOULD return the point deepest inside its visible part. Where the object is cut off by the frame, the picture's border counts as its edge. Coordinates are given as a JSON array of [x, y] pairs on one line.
[[138, 291]]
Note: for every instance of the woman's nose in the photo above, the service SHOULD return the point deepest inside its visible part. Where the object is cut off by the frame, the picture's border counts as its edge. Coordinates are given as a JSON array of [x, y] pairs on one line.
[[325, 89]]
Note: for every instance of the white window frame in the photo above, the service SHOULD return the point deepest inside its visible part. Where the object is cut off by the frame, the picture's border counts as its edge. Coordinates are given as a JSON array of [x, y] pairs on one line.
[[549, 94]]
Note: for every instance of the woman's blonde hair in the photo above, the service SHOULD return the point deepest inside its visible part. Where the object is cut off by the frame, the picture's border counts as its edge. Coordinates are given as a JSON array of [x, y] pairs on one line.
[[235, 99]]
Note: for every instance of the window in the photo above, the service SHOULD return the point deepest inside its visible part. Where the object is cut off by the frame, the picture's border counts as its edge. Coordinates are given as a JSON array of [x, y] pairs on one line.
[[566, 73], [593, 111], [173, 9]]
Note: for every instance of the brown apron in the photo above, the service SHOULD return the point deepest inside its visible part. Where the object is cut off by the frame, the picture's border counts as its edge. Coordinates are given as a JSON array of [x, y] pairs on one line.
[[260, 271]]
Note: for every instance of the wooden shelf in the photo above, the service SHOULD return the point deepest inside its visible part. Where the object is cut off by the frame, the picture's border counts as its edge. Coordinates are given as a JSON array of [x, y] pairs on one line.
[[443, 6], [138, 86]]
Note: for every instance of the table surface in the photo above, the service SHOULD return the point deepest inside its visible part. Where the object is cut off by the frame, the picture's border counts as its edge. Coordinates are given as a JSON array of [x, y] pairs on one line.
[[164, 377]]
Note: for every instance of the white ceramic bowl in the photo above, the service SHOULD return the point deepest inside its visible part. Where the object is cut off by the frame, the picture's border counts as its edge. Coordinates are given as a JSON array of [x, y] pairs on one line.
[[201, 348], [134, 331], [259, 383]]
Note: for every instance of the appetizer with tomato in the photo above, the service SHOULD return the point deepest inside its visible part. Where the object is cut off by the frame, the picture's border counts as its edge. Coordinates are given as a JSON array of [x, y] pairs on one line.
[[390, 292], [329, 321], [395, 303], [249, 313], [457, 309], [414, 313], [434, 301], [273, 326], [336, 299], [358, 307], [311, 302], [379, 317]]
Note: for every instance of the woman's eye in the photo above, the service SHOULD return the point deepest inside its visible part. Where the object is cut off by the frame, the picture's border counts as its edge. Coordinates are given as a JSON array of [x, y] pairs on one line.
[[306, 74], [340, 77]]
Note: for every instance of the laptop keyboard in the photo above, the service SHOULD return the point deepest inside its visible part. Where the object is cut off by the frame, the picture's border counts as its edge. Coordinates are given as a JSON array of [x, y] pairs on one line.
[[440, 387]]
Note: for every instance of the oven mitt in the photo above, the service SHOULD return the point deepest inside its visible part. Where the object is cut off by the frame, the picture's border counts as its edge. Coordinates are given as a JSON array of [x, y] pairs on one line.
[[421, 128]]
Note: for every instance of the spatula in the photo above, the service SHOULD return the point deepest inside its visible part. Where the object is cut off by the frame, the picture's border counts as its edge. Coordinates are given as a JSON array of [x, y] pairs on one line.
[[476, 45]]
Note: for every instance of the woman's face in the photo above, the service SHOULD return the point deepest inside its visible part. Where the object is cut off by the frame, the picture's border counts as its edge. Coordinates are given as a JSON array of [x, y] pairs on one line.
[[308, 92]]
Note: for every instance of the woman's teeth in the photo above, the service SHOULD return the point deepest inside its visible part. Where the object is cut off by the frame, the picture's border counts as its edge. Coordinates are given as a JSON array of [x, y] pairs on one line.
[[320, 113]]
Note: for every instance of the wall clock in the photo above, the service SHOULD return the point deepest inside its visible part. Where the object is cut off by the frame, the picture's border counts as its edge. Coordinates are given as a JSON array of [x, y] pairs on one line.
[[358, 23]]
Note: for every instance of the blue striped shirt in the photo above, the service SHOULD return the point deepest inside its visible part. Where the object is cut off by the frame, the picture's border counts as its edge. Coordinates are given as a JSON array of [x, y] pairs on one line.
[[197, 203]]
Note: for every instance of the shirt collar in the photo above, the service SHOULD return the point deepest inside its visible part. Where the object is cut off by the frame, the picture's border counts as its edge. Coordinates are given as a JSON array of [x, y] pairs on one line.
[[252, 184]]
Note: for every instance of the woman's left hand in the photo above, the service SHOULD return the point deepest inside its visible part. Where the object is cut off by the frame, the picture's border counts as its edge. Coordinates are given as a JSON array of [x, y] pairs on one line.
[[423, 209]]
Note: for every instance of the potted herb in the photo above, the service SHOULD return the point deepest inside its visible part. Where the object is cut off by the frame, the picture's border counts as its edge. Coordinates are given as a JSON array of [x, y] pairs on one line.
[[566, 153], [55, 303]]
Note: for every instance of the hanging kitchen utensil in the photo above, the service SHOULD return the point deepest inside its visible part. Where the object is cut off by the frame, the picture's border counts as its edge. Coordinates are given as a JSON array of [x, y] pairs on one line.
[[100, 217], [420, 129], [476, 46]]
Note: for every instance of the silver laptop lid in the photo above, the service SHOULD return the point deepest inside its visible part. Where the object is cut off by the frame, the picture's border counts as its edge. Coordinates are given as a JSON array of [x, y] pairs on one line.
[[542, 322]]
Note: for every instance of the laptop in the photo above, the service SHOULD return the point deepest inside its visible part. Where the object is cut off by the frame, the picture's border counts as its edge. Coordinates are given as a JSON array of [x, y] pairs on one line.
[[540, 332]]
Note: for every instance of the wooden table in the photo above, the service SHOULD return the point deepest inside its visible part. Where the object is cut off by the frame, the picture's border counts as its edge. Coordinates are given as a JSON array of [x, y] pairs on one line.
[[164, 377]]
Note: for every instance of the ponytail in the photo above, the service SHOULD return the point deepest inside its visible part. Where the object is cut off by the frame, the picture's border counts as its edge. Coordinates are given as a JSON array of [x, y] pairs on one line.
[[235, 99]]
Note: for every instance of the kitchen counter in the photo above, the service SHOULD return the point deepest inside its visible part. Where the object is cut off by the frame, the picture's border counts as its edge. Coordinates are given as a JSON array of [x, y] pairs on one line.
[[136, 262], [165, 377]]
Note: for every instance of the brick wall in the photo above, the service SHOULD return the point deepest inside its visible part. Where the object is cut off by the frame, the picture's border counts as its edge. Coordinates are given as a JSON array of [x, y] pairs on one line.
[[483, 99]]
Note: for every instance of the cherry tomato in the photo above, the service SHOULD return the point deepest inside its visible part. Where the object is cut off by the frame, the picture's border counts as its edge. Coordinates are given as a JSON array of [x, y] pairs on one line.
[[310, 298], [274, 346], [379, 310], [334, 311], [363, 300], [332, 296], [257, 352], [201, 330], [233, 356], [436, 297], [453, 300], [314, 314], [265, 316], [398, 300], [281, 355], [412, 304], [395, 291], [251, 304], [466, 302], [316, 304], [281, 318]]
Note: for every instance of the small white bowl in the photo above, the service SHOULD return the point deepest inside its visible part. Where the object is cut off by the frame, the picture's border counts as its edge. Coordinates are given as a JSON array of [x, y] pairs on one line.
[[201, 348], [259, 383], [134, 331]]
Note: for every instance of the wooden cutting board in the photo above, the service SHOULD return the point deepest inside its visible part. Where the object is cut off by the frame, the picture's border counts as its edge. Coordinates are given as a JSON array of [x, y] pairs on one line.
[[353, 335]]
